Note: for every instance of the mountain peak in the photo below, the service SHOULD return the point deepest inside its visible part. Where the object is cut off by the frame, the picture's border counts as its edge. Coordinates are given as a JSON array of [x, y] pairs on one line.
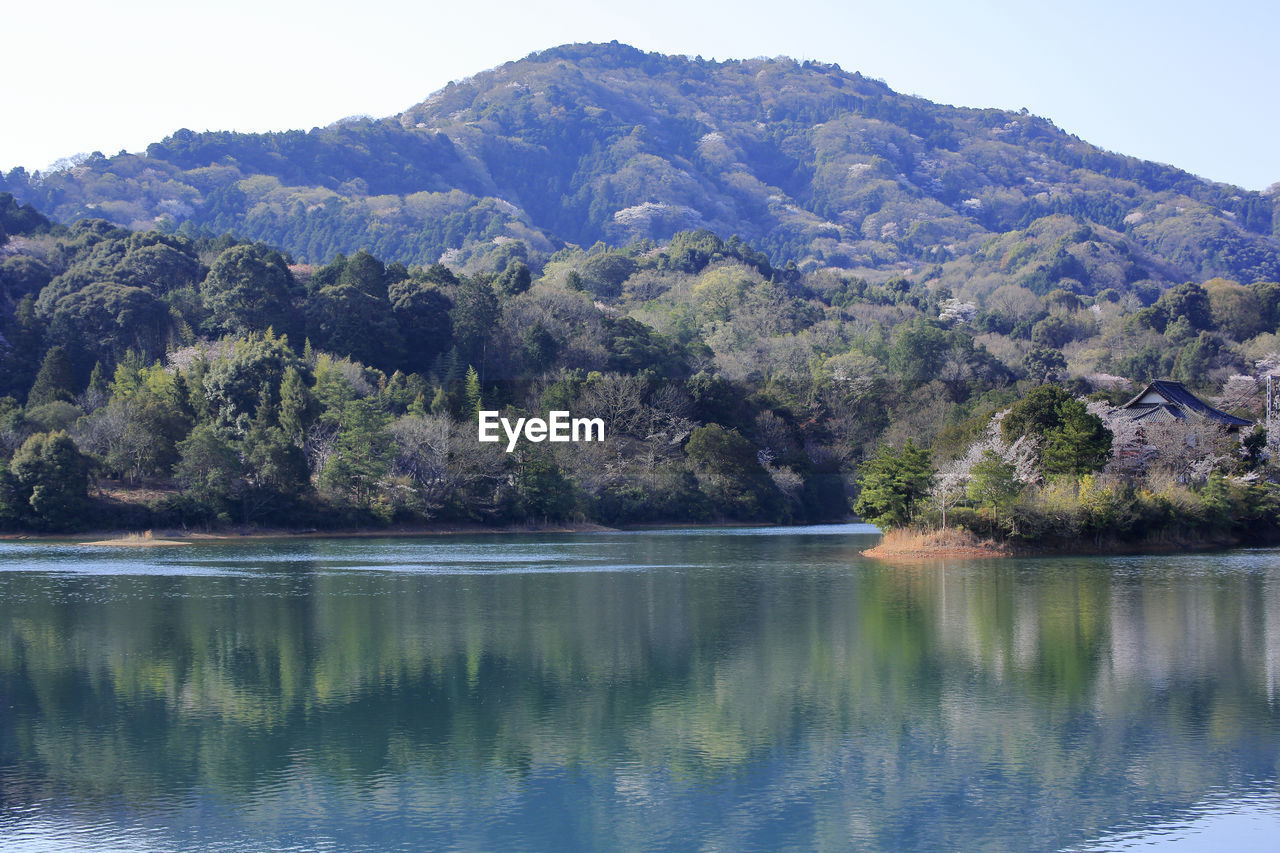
[[586, 142]]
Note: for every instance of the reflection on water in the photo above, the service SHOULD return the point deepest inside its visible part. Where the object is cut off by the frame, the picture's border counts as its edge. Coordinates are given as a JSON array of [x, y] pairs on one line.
[[709, 690], [1241, 823]]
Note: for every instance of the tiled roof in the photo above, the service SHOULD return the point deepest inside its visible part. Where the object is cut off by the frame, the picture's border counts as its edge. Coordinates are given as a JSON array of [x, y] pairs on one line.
[[1165, 412], [1180, 403]]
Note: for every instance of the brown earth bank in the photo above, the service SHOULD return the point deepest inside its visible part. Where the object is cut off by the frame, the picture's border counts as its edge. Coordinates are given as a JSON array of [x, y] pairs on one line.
[[952, 543], [939, 544]]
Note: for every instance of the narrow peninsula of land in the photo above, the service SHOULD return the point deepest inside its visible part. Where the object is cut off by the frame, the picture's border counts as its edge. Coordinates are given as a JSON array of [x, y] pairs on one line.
[[949, 543]]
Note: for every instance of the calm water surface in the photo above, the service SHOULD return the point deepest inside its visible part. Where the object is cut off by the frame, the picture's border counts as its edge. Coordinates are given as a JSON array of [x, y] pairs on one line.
[[673, 690]]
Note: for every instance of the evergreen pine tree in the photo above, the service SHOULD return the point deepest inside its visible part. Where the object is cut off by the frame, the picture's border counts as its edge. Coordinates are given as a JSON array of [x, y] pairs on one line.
[[55, 380], [892, 483], [440, 402], [297, 406], [473, 392]]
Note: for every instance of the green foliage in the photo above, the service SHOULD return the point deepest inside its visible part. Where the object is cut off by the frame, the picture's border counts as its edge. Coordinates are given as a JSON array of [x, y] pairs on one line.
[[604, 272], [635, 348], [713, 398], [1194, 359], [208, 467], [1044, 364], [276, 468], [137, 435], [1253, 447], [248, 290], [361, 455], [918, 351], [1071, 440], [730, 474], [347, 319], [50, 482], [1106, 511], [423, 313], [474, 316], [731, 387], [1237, 310], [1189, 301], [52, 417], [514, 280], [538, 348], [1077, 444], [892, 484], [55, 380], [993, 486], [629, 157], [1268, 296], [545, 493], [20, 352], [298, 406], [21, 275], [236, 384], [18, 219], [1035, 414], [1054, 332], [692, 251], [13, 501], [365, 273], [472, 394], [111, 318]]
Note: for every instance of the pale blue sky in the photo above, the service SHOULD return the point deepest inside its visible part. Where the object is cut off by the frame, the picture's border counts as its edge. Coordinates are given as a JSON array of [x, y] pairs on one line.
[[1191, 84]]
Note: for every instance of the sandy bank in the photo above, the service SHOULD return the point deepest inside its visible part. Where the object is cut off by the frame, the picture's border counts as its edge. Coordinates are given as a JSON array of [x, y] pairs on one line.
[[935, 544], [132, 542]]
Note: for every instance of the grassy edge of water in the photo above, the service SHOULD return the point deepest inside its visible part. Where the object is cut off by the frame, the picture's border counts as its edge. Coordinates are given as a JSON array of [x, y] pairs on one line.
[[952, 543]]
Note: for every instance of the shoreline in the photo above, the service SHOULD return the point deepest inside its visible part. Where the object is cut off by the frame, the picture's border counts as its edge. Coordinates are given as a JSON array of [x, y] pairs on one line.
[[896, 545], [955, 543], [949, 543], [176, 537], [168, 537]]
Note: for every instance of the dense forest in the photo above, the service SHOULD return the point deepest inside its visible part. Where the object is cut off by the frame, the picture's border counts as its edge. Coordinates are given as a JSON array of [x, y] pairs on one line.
[[153, 379]]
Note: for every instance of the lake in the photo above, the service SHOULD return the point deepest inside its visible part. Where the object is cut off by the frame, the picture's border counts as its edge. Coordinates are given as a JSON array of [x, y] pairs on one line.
[[710, 690]]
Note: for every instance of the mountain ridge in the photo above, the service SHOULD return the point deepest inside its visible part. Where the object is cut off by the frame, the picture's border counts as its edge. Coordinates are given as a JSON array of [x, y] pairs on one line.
[[603, 142]]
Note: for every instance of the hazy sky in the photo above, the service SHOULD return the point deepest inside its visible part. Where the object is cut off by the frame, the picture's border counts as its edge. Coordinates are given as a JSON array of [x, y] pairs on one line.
[[1191, 84]]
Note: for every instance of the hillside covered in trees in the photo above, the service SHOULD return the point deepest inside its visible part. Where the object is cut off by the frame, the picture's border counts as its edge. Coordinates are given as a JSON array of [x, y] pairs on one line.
[[153, 379], [584, 143], [765, 277]]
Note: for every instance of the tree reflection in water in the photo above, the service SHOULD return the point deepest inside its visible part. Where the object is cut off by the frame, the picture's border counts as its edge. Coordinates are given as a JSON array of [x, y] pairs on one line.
[[626, 691]]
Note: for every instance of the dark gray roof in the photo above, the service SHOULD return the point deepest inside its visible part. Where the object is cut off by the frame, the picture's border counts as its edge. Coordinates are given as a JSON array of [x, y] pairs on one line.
[[1180, 403]]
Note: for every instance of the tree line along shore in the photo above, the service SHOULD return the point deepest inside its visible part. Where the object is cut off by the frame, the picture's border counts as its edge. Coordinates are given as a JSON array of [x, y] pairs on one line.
[[151, 380]]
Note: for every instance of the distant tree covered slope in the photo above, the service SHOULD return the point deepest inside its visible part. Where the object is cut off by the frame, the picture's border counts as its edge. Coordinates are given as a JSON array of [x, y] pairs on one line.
[[584, 143], [248, 388]]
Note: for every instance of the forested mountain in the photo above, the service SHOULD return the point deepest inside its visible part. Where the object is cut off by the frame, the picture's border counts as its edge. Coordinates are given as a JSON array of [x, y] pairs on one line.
[[583, 143], [891, 302]]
